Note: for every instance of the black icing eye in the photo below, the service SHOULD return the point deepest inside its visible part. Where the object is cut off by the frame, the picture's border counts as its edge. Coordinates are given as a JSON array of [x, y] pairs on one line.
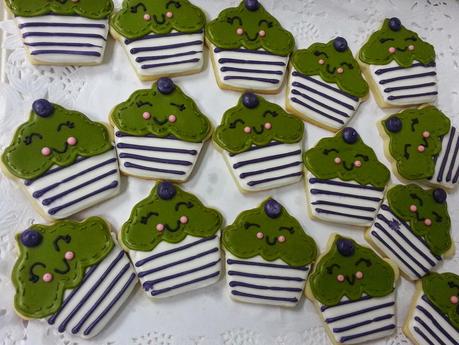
[[328, 151], [183, 204], [348, 65], [67, 124], [332, 267], [395, 24], [248, 225], [136, 7], [394, 124], [439, 195], [180, 107], [363, 261], [145, 219], [438, 218], [32, 276], [232, 20], [411, 38], [350, 135], [319, 53], [340, 44], [29, 139], [364, 157], [173, 3], [414, 122], [290, 229], [271, 113], [264, 21], [65, 238], [417, 198], [141, 104], [234, 123], [384, 40]]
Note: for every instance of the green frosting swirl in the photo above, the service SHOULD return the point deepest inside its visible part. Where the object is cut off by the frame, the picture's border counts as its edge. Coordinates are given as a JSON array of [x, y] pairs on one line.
[[90, 241], [221, 31], [351, 81], [377, 279], [403, 145], [93, 9], [130, 22], [24, 158], [140, 231], [320, 161], [240, 238], [439, 288], [437, 236], [231, 136], [376, 50]]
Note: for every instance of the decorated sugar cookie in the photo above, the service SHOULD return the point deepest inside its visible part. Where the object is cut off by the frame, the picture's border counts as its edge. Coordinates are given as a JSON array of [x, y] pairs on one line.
[[159, 132], [268, 256], [423, 145], [173, 241], [434, 314], [325, 84], [413, 228], [161, 37], [65, 161], [249, 48], [399, 66], [354, 292], [64, 32], [345, 182], [72, 274]]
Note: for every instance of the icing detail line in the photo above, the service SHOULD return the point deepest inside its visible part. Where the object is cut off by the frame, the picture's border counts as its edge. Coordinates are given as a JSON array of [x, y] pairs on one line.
[[280, 167], [362, 311], [162, 57], [251, 62], [190, 282], [156, 160], [326, 192], [172, 34], [265, 159], [391, 69], [284, 299], [258, 182], [62, 34], [156, 149], [142, 167], [149, 66], [69, 25], [263, 276], [169, 46], [390, 80], [263, 264], [296, 100]]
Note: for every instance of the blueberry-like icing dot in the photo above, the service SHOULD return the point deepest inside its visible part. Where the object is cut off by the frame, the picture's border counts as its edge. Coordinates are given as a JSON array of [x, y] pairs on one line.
[[31, 238], [439, 195], [340, 44], [350, 135], [165, 85], [394, 124], [252, 5], [395, 24], [166, 190], [345, 247], [42, 107], [250, 100], [272, 208]]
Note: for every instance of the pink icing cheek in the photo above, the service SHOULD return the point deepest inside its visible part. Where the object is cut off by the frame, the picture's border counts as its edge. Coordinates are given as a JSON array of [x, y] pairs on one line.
[[337, 160], [172, 118], [146, 115], [358, 164], [160, 227], [45, 151], [413, 208], [47, 277], [146, 17], [392, 50], [72, 141], [359, 275], [75, 1], [411, 47], [281, 239], [183, 219], [421, 148], [262, 33], [268, 125], [426, 134], [428, 222], [454, 299], [69, 255], [260, 235], [340, 70], [169, 14], [240, 31], [321, 61], [247, 130], [340, 278]]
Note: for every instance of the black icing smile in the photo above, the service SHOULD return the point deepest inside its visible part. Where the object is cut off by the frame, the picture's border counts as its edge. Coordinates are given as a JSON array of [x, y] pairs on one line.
[[348, 168], [330, 70], [160, 122], [262, 129], [270, 241], [159, 22], [64, 150], [65, 270], [401, 49], [251, 39], [350, 280], [166, 226]]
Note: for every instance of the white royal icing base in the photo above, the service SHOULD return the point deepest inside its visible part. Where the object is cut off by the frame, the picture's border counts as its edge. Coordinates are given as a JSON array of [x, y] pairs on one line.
[[447, 163], [321, 102], [52, 44], [350, 203], [259, 281], [151, 158], [175, 268]]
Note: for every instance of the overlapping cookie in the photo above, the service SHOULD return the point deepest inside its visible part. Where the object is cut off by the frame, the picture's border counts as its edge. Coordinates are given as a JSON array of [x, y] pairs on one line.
[[173, 241], [65, 32], [65, 161], [159, 132], [249, 48], [268, 256], [325, 84], [161, 37], [72, 274], [399, 66]]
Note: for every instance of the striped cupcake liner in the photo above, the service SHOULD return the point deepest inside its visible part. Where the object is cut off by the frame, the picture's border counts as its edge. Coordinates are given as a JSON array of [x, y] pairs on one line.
[[447, 163], [64, 191], [69, 40], [171, 269]]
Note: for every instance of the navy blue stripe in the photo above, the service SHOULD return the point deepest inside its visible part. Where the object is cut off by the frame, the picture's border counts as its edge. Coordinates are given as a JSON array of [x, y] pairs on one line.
[[327, 192], [247, 51], [263, 287], [120, 134], [153, 36], [453, 161], [269, 298], [155, 160], [262, 80], [390, 80], [429, 330], [446, 155], [64, 52], [297, 101], [324, 95], [142, 167], [358, 312], [251, 62], [423, 336], [434, 307], [436, 324], [254, 148], [321, 210], [363, 323], [190, 282], [337, 204], [265, 159], [408, 87], [390, 69], [62, 44], [162, 57], [263, 276], [336, 111], [61, 34], [264, 264], [391, 98], [266, 180], [364, 298], [172, 63], [364, 334], [280, 167], [68, 25], [314, 180], [156, 149], [168, 46], [248, 70]]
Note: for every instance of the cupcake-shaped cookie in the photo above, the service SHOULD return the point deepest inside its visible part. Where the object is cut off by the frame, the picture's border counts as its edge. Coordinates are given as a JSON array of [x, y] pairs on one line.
[[412, 228], [65, 161], [423, 146], [325, 84], [354, 292], [399, 66], [268, 256], [249, 48], [434, 314], [161, 37], [159, 132], [345, 181], [63, 32], [261, 143], [72, 274], [173, 241]]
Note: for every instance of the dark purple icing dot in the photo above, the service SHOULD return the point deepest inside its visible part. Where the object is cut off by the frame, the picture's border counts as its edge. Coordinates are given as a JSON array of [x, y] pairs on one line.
[[395, 24], [165, 85], [42, 107], [166, 190], [31, 238], [252, 5], [350, 135], [250, 100], [439, 195], [394, 124], [272, 208], [345, 247], [340, 44]]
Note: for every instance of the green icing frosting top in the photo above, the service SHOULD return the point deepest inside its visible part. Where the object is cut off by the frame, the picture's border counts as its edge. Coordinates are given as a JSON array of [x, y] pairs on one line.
[[332, 65], [436, 233], [238, 27], [440, 288], [408, 46], [53, 135], [411, 130], [93, 9], [53, 259], [189, 123], [139, 18], [345, 156], [168, 214], [271, 232], [255, 121], [350, 270]]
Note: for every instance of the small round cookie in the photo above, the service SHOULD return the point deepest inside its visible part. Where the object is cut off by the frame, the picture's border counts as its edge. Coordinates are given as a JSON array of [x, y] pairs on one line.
[[268, 256], [345, 181], [159, 132], [354, 292], [65, 161], [249, 48], [72, 274], [399, 66], [325, 84], [63, 32], [173, 241], [261, 143], [161, 37]]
